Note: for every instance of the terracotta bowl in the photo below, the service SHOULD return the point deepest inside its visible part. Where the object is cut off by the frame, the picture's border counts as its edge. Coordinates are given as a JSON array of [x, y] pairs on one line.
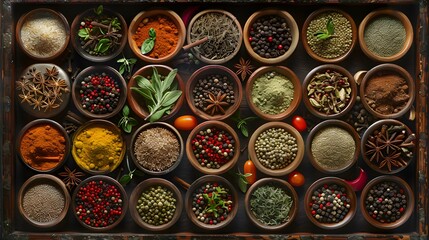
[[153, 125], [350, 193], [332, 123], [197, 184], [77, 42], [41, 13], [383, 69], [290, 23], [304, 35], [323, 69], [277, 183], [135, 100], [377, 126], [153, 13], [53, 124], [289, 168], [394, 14], [143, 186], [296, 95], [409, 197], [43, 179], [219, 125], [110, 181], [97, 70], [210, 70]]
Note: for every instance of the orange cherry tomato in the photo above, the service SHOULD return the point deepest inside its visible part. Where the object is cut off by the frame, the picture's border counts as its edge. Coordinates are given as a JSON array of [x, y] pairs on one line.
[[249, 167], [296, 179], [185, 122]]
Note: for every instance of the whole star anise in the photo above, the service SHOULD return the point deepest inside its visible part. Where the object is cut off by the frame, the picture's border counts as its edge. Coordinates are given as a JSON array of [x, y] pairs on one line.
[[244, 67], [216, 103], [71, 178], [51, 73]]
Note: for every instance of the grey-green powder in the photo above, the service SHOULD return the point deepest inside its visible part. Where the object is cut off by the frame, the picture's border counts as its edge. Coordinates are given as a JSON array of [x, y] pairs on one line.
[[385, 36]]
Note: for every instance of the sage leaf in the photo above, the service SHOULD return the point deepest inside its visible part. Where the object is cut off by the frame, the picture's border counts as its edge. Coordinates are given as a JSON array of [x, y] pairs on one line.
[[147, 46], [168, 80], [156, 82], [144, 83], [158, 114], [171, 97], [143, 92]]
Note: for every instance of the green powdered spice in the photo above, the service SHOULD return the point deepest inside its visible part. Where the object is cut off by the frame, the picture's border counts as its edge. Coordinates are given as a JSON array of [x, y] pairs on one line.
[[333, 148], [385, 36], [272, 93]]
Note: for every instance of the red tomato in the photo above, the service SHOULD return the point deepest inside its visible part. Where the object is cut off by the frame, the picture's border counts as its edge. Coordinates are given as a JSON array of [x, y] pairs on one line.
[[299, 123], [249, 167], [296, 179], [185, 122]]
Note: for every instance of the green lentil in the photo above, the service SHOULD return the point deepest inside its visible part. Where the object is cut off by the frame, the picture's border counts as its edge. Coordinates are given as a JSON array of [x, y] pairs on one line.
[[156, 205]]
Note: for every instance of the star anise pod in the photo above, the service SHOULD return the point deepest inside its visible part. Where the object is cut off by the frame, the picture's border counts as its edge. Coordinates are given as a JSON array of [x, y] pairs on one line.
[[393, 159], [49, 104], [71, 178], [374, 150], [216, 103], [26, 97], [58, 84], [22, 84], [244, 67], [51, 74], [37, 103]]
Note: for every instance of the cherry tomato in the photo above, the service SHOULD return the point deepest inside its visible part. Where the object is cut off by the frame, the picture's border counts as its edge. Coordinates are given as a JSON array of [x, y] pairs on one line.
[[296, 179], [249, 167], [299, 123], [185, 122]]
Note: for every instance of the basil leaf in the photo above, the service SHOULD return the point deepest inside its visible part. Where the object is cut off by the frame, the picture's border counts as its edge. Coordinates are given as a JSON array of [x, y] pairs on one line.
[[171, 97], [126, 110], [132, 121], [121, 60], [122, 69], [330, 27], [83, 32], [125, 179], [127, 128], [152, 33], [242, 184], [131, 61], [244, 131], [147, 45]]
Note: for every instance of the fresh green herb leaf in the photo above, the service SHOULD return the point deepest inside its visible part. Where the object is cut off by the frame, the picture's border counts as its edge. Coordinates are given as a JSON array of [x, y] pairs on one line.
[[149, 43], [242, 123], [126, 122], [330, 27], [99, 10], [83, 33], [326, 33], [125, 179], [171, 97], [152, 33], [126, 110]]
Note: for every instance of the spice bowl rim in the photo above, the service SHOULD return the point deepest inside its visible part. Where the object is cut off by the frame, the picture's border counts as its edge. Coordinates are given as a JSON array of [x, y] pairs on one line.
[[99, 69], [291, 23], [297, 96], [76, 40], [43, 178], [307, 48], [283, 185], [397, 70], [42, 10], [40, 121], [163, 125], [144, 185], [188, 201], [191, 157], [345, 73], [409, 34], [289, 168], [208, 70], [410, 203], [350, 192]]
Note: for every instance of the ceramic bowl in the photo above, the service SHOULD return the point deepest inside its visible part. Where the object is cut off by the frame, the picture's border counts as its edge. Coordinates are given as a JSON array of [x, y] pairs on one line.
[[40, 179], [214, 70], [198, 184], [145, 185], [99, 70], [382, 70], [137, 20], [320, 127], [328, 181], [289, 74], [282, 184], [149, 126], [91, 13], [40, 14], [389, 13], [289, 168], [135, 100], [408, 192], [294, 30], [305, 35], [191, 156], [307, 91]]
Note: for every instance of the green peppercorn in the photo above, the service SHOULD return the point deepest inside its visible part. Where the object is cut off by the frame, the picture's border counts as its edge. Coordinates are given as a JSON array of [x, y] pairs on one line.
[[156, 205]]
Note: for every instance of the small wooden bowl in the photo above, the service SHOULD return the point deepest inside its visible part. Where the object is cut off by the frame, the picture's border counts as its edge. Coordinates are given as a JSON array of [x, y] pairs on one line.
[[350, 193], [410, 202], [153, 13], [394, 14], [197, 184], [278, 183], [289, 168], [305, 39], [76, 39], [332, 123], [146, 184], [291, 23], [153, 125], [53, 124], [136, 101], [209, 70], [99, 69], [219, 125], [296, 95], [384, 69], [323, 69], [43, 179], [42, 13]]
